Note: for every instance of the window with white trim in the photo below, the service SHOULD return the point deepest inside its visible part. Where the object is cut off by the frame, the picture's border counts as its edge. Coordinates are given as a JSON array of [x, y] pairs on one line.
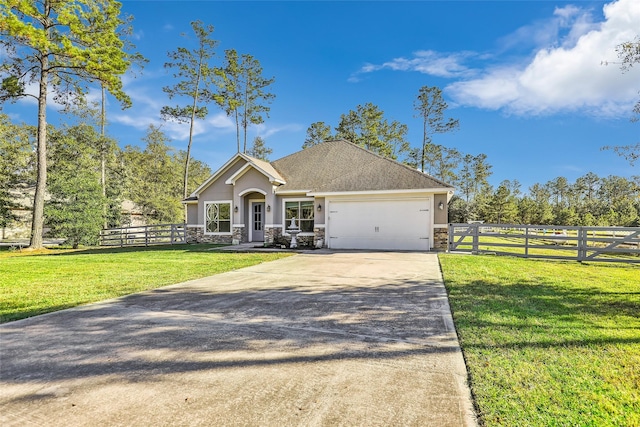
[[302, 211], [217, 217]]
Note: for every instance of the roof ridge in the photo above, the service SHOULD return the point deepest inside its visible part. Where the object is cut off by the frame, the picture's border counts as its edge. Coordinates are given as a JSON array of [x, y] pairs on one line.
[[310, 148], [398, 163]]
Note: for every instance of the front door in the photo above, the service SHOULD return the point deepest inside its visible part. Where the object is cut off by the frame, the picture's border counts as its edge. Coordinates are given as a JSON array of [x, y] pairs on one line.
[[257, 221]]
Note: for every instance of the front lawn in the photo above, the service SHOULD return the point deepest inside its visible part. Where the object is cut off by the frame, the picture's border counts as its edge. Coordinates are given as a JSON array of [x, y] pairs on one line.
[[548, 343], [32, 284]]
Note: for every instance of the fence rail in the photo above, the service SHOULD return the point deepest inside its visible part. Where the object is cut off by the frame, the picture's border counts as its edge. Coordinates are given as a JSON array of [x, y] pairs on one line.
[[144, 235], [610, 244]]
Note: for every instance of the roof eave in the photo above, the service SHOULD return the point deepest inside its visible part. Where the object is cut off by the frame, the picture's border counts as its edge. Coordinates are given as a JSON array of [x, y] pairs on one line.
[[438, 190], [215, 175], [272, 179]]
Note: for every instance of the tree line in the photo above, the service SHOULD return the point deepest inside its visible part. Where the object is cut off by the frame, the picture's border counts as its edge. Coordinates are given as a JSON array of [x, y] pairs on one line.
[[65, 47], [588, 201], [76, 207]]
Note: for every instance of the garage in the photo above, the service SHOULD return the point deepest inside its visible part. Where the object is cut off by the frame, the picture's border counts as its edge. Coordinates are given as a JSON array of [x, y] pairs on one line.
[[391, 224]]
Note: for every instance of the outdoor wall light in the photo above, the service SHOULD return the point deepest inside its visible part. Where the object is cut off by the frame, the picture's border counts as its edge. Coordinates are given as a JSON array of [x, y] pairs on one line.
[[319, 208], [268, 208], [235, 209], [441, 206]]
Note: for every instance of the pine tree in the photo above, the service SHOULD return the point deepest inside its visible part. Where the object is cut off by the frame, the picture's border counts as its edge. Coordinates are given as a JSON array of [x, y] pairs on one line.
[[259, 149], [196, 85], [61, 45]]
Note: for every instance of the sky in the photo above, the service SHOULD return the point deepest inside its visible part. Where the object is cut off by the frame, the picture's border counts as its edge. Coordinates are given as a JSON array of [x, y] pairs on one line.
[[534, 84]]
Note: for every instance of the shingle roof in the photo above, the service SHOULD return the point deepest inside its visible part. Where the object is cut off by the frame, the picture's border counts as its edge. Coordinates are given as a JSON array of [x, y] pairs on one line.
[[337, 166]]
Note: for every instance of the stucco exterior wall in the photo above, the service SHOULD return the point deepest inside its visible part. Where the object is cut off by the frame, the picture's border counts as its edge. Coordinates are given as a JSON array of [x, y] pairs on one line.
[[218, 190], [440, 216], [192, 213], [319, 215]]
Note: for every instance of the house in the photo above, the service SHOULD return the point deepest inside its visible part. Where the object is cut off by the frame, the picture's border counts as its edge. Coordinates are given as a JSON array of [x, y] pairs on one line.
[[341, 195]]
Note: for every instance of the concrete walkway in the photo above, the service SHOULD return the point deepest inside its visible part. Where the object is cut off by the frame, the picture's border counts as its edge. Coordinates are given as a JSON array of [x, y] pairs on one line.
[[354, 338]]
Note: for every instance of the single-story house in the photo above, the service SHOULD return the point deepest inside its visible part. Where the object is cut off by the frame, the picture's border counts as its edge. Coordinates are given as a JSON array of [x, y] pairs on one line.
[[341, 195]]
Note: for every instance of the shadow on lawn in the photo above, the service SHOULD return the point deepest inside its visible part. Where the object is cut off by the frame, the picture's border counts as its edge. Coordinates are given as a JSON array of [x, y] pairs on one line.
[[550, 315], [199, 247]]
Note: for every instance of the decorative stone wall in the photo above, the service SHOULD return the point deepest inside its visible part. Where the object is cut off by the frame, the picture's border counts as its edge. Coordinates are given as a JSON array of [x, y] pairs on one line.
[[303, 241], [272, 235], [196, 235], [239, 235], [440, 239], [318, 238]]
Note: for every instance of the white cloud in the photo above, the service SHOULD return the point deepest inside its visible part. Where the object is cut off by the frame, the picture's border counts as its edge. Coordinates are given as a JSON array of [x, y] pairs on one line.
[[568, 76], [265, 131], [423, 61]]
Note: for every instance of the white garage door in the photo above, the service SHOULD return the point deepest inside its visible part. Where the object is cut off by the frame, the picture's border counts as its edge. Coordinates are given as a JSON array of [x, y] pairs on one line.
[[382, 224]]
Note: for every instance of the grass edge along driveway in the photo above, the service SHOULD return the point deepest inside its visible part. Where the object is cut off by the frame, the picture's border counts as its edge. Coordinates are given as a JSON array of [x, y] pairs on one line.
[[548, 343], [32, 284]]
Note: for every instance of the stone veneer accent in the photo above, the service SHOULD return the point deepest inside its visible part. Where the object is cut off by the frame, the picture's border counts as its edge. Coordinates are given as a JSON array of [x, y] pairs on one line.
[[239, 235], [272, 235], [275, 236], [441, 239], [319, 235], [196, 235]]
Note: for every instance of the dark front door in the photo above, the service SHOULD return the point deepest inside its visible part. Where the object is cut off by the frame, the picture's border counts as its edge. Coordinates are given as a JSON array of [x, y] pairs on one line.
[[257, 221]]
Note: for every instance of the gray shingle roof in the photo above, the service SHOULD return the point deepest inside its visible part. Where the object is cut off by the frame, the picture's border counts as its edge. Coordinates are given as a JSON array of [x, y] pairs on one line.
[[336, 166]]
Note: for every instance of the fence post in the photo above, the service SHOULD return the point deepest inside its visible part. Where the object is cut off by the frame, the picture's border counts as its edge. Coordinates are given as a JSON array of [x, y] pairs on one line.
[[474, 247], [582, 244], [146, 235], [526, 241], [172, 231]]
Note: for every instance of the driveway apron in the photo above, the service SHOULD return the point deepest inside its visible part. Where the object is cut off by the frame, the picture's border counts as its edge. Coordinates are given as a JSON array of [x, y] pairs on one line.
[[319, 339]]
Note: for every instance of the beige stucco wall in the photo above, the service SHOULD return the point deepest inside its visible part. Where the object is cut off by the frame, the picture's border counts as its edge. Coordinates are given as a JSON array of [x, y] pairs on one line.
[[319, 216], [440, 216], [192, 214], [251, 180], [218, 190]]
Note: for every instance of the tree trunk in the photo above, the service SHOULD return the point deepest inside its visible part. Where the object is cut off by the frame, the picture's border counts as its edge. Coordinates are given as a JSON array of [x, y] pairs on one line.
[[237, 129], [103, 160], [245, 121], [37, 223]]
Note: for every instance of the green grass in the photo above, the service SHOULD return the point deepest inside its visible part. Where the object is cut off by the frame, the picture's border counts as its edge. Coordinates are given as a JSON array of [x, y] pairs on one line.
[[548, 343], [37, 283]]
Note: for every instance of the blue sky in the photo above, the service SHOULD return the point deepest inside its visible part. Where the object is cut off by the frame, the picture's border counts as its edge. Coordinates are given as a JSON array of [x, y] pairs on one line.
[[525, 78]]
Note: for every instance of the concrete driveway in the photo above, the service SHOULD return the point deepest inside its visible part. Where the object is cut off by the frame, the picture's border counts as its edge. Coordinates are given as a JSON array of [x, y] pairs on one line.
[[316, 339]]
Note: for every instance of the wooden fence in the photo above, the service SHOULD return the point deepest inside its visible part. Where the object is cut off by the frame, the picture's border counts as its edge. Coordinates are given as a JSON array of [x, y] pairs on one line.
[[144, 235], [610, 244]]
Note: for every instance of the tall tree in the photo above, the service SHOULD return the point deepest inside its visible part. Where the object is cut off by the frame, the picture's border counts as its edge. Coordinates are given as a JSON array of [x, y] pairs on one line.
[[153, 178], [316, 133], [16, 160], [503, 205], [195, 85], [61, 45], [473, 183], [243, 92], [229, 95], [256, 94], [430, 107], [259, 149], [367, 127], [75, 210], [441, 162]]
